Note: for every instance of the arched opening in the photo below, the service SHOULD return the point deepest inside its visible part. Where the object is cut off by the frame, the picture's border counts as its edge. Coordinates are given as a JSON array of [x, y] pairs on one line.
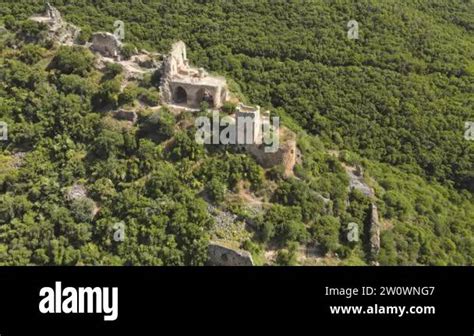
[[180, 96], [205, 95]]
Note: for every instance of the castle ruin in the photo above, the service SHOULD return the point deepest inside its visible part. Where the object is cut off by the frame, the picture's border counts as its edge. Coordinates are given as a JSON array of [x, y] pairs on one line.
[[250, 123], [59, 30], [188, 86], [255, 128], [107, 44], [183, 86]]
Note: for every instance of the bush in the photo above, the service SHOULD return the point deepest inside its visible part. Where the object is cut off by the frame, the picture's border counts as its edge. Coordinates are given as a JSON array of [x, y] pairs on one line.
[[128, 95], [159, 125], [10, 22], [112, 70], [326, 232], [228, 107], [32, 31], [73, 60], [31, 54], [150, 97], [85, 35], [184, 146], [83, 209], [217, 190], [288, 257], [128, 50], [282, 223], [107, 94], [74, 84]]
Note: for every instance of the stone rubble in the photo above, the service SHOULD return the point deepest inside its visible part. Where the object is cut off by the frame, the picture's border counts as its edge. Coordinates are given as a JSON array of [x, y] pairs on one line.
[[221, 255]]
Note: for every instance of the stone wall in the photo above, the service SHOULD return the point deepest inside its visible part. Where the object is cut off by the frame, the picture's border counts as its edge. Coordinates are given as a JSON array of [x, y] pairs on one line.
[[220, 255], [188, 86], [177, 58], [195, 93], [243, 113], [285, 155], [58, 30], [107, 44], [374, 231]]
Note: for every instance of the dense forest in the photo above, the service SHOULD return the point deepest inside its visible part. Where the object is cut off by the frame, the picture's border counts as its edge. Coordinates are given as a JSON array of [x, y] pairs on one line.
[[394, 101]]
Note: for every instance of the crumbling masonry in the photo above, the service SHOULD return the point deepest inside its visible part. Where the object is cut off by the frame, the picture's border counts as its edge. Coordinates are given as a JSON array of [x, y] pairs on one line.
[[58, 30], [187, 86]]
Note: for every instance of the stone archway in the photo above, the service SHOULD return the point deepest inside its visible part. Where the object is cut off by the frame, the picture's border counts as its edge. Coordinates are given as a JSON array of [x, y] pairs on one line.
[[180, 96]]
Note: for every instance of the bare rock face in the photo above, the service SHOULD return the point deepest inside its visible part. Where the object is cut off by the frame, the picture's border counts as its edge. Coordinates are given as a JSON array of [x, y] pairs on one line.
[[76, 191], [374, 231], [220, 255], [19, 158], [356, 181], [53, 14], [107, 44]]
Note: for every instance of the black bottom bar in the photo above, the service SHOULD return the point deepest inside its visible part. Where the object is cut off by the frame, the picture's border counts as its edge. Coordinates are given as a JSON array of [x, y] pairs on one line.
[[209, 300]]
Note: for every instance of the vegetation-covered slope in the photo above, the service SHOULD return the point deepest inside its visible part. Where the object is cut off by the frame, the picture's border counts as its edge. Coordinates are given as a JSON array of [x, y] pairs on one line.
[[398, 98]]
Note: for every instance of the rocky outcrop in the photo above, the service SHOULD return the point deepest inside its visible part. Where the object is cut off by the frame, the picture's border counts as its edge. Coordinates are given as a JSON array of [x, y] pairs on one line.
[[75, 192], [223, 219], [58, 29], [79, 192], [18, 159], [220, 255], [356, 181], [374, 231]]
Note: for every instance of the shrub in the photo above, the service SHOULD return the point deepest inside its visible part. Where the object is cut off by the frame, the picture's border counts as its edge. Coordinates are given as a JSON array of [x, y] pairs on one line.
[[228, 107], [113, 69], [217, 190], [73, 60], [85, 35], [31, 54], [83, 209], [128, 50]]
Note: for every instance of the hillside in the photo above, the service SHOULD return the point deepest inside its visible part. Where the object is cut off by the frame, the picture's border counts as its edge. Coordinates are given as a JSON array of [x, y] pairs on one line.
[[385, 112]]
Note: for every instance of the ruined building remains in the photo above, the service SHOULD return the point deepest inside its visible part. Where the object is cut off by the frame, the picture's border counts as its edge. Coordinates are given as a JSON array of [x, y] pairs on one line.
[[50, 16], [356, 181], [107, 44], [184, 85], [285, 155], [58, 29], [374, 231], [221, 255], [250, 123]]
